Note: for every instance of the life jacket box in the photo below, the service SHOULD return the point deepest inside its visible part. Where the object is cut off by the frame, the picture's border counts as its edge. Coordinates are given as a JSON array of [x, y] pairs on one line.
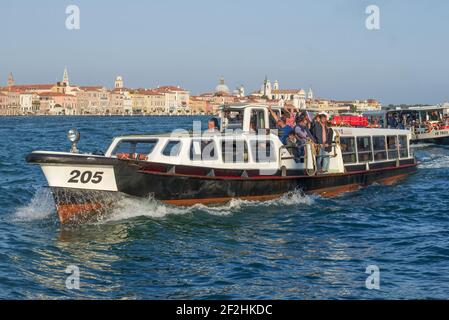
[[354, 121]]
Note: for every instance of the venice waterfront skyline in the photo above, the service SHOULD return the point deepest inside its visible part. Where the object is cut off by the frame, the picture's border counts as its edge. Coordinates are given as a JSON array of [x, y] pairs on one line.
[[323, 45]]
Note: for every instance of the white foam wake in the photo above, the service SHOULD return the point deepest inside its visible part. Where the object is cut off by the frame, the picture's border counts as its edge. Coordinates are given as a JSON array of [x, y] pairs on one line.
[[435, 162], [40, 207], [129, 208]]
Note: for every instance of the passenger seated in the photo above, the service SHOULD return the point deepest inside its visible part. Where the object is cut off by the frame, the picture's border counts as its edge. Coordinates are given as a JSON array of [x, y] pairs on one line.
[[212, 125], [293, 146]]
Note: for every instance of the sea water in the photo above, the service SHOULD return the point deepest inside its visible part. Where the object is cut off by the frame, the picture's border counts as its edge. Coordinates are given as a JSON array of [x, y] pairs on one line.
[[297, 247]]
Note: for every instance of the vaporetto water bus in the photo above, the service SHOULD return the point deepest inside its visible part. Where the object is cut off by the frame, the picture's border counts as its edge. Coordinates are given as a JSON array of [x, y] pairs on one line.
[[428, 124], [245, 159]]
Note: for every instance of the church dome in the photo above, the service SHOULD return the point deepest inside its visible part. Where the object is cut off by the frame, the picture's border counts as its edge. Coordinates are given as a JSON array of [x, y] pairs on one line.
[[222, 87]]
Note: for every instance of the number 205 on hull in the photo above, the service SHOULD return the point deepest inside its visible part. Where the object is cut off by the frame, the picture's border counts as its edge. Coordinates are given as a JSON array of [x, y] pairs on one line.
[[81, 177]]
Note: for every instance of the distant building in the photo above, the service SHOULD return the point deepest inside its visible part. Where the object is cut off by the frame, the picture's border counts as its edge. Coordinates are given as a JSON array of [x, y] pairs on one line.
[[93, 100], [198, 106], [176, 99], [240, 91], [13, 102], [36, 88], [222, 88], [338, 106], [54, 103], [4, 108], [120, 102], [29, 103], [273, 93]]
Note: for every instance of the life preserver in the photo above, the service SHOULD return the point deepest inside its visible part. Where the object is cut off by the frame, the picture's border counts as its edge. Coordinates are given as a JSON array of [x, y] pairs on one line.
[[133, 156], [123, 156]]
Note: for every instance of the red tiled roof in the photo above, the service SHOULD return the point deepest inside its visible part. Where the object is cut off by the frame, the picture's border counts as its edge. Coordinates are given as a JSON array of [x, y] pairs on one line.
[[91, 88], [169, 88], [121, 89], [29, 87], [151, 93], [147, 92]]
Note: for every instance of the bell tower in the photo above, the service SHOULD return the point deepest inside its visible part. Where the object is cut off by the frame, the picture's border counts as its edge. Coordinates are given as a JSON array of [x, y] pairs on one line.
[[118, 83], [267, 88], [65, 77], [310, 94], [10, 80]]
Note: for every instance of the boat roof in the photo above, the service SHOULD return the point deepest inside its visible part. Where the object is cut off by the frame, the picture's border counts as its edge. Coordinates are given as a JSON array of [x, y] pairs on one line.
[[428, 108], [344, 131], [347, 131], [247, 105]]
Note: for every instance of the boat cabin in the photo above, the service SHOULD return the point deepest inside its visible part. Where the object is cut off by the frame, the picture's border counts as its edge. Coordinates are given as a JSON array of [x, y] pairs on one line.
[[248, 150], [247, 118]]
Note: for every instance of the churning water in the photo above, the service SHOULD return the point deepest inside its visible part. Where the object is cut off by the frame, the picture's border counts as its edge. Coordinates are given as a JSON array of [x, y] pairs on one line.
[[297, 247]]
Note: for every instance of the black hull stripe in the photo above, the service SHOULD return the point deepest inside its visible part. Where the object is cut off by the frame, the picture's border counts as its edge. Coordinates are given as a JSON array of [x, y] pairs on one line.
[[277, 177]]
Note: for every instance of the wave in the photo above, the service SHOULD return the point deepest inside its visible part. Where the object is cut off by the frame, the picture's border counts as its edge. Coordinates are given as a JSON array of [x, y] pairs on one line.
[[129, 208], [422, 145], [434, 162], [40, 207]]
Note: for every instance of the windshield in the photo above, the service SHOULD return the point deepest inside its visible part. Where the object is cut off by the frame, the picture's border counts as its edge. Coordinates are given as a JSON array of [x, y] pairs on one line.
[[233, 119], [130, 147]]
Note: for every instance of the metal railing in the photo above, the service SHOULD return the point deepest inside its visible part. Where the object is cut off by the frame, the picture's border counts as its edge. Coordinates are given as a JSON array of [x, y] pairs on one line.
[[306, 155]]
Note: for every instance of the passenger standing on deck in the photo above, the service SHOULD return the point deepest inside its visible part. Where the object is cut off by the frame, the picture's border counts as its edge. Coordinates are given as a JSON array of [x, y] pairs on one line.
[[290, 118], [302, 134], [391, 121], [321, 131], [315, 121], [282, 127], [302, 128]]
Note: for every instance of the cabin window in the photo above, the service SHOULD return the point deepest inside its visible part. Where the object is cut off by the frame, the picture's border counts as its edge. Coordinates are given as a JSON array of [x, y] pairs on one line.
[[380, 148], [257, 120], [234, 151], [203, 150], [135, 147], [348, 150], [364, 152], [403, 146], [172, 148], [263, 151], [392, 144]]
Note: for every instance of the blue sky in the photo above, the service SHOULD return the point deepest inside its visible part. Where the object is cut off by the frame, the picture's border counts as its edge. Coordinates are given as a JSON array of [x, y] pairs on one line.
[[323, 44]]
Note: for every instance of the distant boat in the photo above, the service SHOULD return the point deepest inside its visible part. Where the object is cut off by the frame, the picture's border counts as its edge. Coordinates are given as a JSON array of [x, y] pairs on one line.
[[214, 167], [428, 124]]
